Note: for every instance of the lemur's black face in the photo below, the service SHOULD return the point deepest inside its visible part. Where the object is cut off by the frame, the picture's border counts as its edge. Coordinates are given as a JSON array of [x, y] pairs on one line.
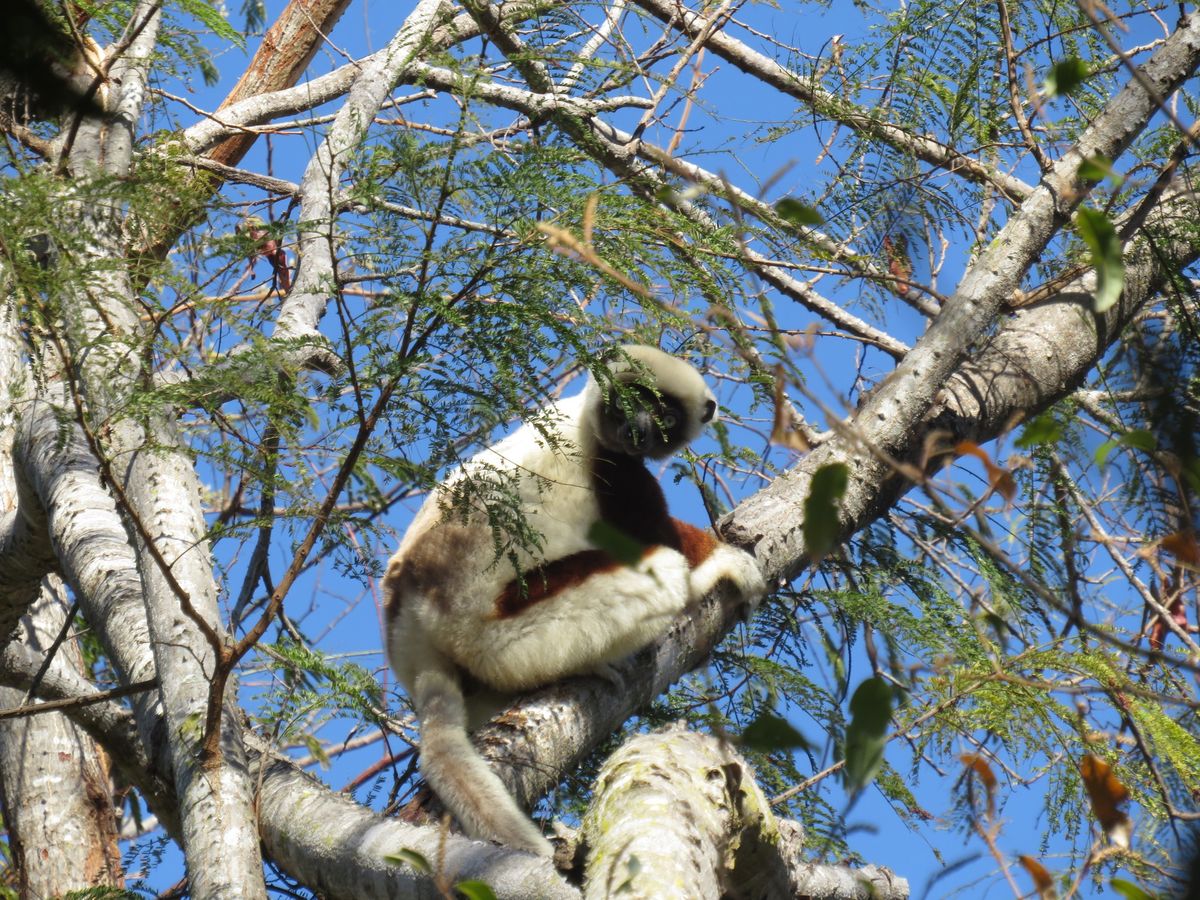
[[637, 422]]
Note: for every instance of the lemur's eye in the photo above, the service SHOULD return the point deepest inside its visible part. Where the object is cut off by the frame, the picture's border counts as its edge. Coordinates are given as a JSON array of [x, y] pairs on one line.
[[668, 420]]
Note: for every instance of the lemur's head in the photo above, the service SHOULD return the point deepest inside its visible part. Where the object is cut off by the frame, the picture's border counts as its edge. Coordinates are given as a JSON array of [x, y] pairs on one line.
[[653, 405]]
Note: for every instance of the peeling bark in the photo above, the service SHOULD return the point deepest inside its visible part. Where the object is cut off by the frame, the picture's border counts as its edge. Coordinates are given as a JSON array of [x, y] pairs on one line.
[[285, 52]]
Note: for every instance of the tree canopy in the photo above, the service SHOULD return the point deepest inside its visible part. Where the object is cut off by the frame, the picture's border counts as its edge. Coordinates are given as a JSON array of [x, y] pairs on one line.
[[266, 275]]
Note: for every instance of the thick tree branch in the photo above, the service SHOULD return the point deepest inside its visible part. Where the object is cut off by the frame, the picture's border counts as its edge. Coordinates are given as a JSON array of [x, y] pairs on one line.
[[334, 845], [283, 56], [676, 813], [316, 276], [53, 778], [106, 721], [25, 551]]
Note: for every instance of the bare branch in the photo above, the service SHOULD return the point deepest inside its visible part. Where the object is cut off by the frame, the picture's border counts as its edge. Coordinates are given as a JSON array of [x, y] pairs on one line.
[[806, 90]]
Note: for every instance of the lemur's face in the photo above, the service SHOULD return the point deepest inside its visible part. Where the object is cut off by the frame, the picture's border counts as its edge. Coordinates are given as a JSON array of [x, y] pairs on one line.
[[636, 421]]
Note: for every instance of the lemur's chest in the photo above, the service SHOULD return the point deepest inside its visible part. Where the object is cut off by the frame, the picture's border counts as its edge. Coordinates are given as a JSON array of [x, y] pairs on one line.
[[630, 499]]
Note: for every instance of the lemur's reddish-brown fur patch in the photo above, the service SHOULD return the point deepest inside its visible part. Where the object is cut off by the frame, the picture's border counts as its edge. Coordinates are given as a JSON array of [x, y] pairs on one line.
[[551, 579], [697, 544]]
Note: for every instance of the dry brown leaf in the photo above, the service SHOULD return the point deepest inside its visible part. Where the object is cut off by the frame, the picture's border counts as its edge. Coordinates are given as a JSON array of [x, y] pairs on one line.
[[986, 777], [1042, 880], [1184, 547], [782, 431], [1000, 479], [1108, 795]]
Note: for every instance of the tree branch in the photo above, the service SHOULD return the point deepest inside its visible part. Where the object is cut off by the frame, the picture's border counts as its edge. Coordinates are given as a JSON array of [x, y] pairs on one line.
[[805, 89], [316, 276]]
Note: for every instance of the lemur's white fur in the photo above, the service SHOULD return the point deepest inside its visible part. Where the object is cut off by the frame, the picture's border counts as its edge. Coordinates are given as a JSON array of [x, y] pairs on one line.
[[454, 609]]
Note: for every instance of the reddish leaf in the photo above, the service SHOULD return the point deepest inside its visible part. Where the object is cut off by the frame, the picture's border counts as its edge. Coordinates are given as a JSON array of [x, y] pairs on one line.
[[1042, 879], [979, 766], [899, 264], [1184, 547], [268, 248], [1158, 631], [1000, 479], [783, 430], [1108, 795]]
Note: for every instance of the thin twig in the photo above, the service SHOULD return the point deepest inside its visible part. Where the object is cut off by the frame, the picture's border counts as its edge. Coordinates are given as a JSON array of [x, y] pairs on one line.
[[33, 709]]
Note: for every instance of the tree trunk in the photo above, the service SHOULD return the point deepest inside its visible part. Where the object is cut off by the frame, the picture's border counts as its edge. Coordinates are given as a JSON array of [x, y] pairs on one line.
[[57, 793]]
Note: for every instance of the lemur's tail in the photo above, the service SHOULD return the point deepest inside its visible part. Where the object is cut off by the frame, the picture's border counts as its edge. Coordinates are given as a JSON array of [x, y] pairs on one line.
[[459, 775]]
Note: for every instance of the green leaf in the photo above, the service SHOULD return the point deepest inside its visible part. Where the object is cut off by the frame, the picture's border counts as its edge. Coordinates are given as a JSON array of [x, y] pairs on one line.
[[410, 858], [475, 890], [1040, 431], [1137, 438], [821, 527], [212, 19], [316, 750], [1140, 439], [965, 101], [1100, 236], [770, 732], [1104, 449], [209, 71], [1129, 890], [616, 543], [1096, 168], [255, 14], [1066, 76], [796, 213], [866, 735]]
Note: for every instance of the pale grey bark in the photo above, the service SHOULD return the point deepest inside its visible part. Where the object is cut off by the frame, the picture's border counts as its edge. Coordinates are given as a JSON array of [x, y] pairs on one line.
[[110, 724], [161, 505], [317, 271], [367, 85], [25, 553], [676, 814], [90, 545], [336, 846], [54, 780], [220, 832], [1044, 350], [845, 883]]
